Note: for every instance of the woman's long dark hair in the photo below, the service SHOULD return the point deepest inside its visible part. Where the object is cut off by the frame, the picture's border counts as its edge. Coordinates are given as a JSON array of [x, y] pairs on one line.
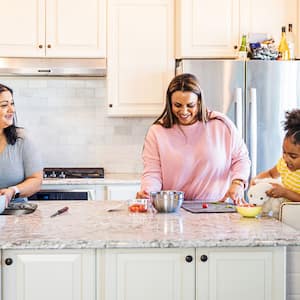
[[185, 83], [10, 132], [292, 125]]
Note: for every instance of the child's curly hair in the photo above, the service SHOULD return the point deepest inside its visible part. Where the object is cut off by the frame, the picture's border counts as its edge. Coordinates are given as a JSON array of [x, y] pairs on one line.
[[292, 125]]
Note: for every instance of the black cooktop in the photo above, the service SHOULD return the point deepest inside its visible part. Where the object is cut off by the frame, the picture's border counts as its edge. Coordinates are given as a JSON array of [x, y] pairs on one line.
[[62, 173]]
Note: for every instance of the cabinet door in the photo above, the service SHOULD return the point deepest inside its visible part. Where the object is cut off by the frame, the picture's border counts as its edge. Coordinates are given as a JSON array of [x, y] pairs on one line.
[[76, 28], [160, 274], [207, 28], [22, 28], [268, 16], [140, 55], [122, 192], [48, 274], [241, 273], [293, 273]]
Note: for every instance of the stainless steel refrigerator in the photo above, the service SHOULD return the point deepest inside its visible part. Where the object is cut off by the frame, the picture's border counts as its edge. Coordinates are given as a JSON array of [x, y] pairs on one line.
[[255, 95]]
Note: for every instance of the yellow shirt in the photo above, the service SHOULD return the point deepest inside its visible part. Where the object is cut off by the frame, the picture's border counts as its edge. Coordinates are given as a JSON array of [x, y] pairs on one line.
[[290, 180]]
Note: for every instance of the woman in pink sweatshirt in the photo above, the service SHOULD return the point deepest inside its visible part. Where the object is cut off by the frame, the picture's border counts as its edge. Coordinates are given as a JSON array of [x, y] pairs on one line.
[[194, 150]]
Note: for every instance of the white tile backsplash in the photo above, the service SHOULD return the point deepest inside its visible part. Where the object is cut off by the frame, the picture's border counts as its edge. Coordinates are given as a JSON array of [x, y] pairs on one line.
[[68, 120]]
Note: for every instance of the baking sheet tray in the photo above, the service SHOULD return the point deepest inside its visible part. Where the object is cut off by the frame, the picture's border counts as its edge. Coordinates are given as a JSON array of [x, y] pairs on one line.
[[213, 207]]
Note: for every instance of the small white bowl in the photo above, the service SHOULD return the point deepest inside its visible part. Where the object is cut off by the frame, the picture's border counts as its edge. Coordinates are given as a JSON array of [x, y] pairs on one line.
[[2, 203]]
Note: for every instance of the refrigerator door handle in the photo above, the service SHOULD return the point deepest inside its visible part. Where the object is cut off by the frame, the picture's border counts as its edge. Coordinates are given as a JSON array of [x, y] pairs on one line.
[[238, 110], [253, 128]]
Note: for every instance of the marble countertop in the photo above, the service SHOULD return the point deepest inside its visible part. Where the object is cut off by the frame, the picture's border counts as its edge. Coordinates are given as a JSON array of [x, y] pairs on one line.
[[110, 178], [87, 224]]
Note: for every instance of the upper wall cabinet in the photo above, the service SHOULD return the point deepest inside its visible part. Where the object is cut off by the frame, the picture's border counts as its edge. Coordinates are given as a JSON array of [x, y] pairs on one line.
[[214, 28], [140, 56], [56, 28], [207, 28], [268, 16]]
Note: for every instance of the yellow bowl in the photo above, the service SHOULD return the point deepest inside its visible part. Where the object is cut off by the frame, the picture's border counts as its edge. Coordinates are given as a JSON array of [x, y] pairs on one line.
[[249, 211]]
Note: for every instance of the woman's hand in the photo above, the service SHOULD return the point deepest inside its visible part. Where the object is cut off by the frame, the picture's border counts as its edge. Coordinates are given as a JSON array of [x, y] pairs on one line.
[[236, 193], [142, 195], [8, 193]]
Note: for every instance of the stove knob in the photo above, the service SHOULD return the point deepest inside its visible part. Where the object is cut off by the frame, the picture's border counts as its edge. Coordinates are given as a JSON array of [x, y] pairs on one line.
[[62, 175], [53, 174]]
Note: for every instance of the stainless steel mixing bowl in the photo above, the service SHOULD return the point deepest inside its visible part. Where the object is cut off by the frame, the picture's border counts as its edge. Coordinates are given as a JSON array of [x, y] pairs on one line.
[[167, 201]]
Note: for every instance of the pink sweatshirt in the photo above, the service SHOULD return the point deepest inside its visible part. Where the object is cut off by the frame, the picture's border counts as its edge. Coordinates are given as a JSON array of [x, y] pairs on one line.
[[199, 159]]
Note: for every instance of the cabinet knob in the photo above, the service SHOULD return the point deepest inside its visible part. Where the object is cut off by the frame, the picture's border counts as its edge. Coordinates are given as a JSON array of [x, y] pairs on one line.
[[189, 258], [235, 47], [203, 258], [110, 105], [8, 261], [48, 46], [40, 46]]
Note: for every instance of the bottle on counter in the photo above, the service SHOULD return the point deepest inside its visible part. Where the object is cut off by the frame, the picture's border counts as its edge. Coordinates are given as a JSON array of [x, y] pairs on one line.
[[283, 49], [243, 51], [291, 41]]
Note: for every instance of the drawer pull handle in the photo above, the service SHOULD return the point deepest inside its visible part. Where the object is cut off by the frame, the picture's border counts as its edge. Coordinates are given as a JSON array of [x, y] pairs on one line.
[[189, 258], [8, 261], [203, 258]]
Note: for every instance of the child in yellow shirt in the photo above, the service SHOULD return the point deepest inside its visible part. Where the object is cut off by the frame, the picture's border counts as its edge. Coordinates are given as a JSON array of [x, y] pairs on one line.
[[288, 166]]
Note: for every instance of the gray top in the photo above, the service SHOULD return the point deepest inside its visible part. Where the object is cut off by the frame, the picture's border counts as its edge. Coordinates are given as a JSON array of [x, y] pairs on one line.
[[19, 161]]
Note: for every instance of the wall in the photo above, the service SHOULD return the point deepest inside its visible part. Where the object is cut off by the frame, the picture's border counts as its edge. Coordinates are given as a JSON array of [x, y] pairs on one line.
[[67, 118]]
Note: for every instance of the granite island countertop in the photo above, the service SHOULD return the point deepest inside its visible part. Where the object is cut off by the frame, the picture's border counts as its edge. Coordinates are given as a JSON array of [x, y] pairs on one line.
[[87, 224]]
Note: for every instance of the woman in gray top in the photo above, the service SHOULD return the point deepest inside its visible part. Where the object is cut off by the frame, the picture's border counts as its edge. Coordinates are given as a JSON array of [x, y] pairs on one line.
[[21, 170]]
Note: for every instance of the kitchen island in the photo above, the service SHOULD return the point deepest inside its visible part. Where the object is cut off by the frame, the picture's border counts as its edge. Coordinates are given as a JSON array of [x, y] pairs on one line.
[[87, 224], [116, 255]]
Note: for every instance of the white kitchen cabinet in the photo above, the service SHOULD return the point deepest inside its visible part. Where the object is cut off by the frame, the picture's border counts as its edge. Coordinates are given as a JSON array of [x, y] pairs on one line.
[[140, 53], [56, 28], [229, 273], [48, 274], [241, 273], [135, 274], [213, 28], [268, 16], [122, 191], [207, 28], [1, 289], [293, 273]]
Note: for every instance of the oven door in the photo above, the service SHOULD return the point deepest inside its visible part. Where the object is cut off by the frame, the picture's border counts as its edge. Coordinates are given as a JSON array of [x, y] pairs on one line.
[[57, 195]]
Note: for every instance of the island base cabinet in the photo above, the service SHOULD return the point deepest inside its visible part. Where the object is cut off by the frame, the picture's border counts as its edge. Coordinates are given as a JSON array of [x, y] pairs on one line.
[[241, 273], [48, 274], [293, 273], [146, 274]]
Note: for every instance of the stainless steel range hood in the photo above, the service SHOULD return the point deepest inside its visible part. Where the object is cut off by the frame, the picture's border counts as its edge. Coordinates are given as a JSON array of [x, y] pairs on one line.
[[81, 67]]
